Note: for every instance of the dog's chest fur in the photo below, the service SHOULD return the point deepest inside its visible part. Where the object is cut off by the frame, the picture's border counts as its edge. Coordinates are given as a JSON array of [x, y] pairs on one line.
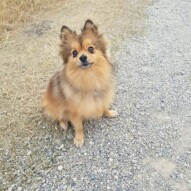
[[91, 103]]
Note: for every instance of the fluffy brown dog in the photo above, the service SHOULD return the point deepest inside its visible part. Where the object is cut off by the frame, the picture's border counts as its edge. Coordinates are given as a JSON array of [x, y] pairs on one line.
[[84, 87]]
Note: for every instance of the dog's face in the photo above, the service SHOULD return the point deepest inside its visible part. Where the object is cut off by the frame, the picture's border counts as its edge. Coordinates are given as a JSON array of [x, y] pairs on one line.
[[85, 50]]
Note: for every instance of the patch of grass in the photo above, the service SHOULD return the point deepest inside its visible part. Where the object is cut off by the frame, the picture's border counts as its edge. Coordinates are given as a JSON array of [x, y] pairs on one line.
[[15, 12]]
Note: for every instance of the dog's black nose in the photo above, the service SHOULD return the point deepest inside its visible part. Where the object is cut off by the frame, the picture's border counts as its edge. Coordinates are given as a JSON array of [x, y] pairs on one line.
[[83, 58]]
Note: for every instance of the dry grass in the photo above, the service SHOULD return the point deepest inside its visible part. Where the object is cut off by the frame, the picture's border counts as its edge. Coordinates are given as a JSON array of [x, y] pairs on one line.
[[15, 12]]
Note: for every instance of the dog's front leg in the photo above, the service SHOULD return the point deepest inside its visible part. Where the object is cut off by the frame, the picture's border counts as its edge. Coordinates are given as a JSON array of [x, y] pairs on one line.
[[79, 133]]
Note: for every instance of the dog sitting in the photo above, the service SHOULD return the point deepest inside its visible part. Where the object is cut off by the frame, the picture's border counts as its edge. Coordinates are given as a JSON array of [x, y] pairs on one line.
[[84, 87]]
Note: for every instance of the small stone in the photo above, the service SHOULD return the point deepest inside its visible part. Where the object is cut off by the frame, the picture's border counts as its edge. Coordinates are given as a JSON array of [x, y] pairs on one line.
[[181, 176], [62, 187], [134, 161], [108, 187], [116, 177], [61, 147], [69, 189], [110, 159], [91, 143], [19, 188], [60, 167], [29, 153], [28, 181]]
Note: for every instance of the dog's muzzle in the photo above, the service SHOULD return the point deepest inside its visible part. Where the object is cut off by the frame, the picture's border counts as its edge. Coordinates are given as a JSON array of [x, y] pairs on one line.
[[84, 63]]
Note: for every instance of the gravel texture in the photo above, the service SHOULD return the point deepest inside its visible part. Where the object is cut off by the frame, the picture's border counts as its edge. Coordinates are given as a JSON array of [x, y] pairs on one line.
[[147, 147]]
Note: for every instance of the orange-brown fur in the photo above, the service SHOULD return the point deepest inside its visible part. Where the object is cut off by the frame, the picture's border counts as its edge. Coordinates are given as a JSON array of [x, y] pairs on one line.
[[75, 93]]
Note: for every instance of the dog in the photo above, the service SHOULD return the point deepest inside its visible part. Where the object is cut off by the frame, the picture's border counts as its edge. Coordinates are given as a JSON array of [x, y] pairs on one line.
[[84, 88]]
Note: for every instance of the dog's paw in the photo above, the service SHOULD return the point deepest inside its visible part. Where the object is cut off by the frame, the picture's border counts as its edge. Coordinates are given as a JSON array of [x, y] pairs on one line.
[[63, 125], [111, 113], [79, 142]]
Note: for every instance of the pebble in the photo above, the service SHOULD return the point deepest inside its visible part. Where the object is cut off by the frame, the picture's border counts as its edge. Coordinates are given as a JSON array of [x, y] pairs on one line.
[[60, 167], [29, 153], [19, 188]]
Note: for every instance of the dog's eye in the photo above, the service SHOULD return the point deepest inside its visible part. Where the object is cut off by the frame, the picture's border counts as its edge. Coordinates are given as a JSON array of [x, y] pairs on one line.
[[91, 49], [75, 53]]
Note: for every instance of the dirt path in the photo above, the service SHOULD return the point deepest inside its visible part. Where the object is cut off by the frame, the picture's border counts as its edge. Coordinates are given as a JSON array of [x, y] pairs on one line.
[[147, 137]]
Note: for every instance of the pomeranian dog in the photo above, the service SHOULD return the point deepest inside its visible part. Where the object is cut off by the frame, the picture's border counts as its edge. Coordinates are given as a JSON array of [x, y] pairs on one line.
[[84, 87]]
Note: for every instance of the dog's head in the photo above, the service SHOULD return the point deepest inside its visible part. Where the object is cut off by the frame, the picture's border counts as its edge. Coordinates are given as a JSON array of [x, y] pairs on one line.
[[85, 50]]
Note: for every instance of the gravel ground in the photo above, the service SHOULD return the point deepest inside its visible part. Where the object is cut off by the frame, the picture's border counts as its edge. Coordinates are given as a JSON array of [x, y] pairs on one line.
[[147, 147]]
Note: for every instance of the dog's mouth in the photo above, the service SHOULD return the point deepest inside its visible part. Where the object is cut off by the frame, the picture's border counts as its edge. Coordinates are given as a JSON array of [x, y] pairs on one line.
[[86, 65]]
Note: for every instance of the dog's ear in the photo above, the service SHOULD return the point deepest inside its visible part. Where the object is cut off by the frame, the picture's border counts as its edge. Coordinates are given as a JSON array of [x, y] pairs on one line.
[[65, 32], [89, 25]]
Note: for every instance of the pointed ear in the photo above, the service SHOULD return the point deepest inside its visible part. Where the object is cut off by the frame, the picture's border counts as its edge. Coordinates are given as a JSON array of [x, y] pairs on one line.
[[89, 25], [65, 33]]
